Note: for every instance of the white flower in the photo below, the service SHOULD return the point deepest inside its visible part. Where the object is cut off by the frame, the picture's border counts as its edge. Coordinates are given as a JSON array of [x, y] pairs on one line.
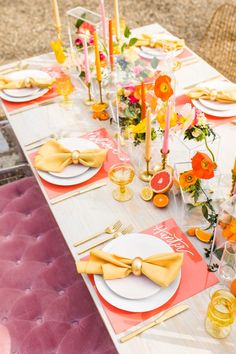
[[186, 117]]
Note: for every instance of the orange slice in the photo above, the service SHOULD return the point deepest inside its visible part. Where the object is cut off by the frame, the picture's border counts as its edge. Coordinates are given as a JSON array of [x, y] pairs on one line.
[[226, 232], [160, 200], [233, 287], [146, 193], [232, 237], [191, 231], [203, 235]]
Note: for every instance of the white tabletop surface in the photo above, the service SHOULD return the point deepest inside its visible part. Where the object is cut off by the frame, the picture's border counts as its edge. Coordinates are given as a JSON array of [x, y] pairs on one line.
[[85, 214]]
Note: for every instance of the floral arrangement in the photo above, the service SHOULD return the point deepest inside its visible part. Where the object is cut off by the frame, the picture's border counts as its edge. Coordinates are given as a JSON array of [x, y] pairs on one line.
[[203, 168]]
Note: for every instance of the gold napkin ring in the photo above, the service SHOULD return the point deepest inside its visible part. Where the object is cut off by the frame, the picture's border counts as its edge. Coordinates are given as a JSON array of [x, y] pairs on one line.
[[213, 95], [75, 157], [27, 82], [137, 266]]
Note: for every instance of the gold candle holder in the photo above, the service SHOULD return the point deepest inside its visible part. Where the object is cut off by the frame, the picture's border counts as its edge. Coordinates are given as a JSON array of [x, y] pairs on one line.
[[89, 101], [163, 165], [58, 30], [164, 159], [233, 183], [100, 91], [147, 174]]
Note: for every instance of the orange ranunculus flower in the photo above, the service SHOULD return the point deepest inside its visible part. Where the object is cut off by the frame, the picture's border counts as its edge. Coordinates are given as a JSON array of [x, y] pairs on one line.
[[203, 167], [162, 88], [187, 179]]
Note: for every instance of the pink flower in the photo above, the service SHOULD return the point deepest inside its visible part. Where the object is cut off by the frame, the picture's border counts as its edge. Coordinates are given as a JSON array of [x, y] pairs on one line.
[[133, 99], [91, 41], [102, 56], [78, 42], [137, 70]]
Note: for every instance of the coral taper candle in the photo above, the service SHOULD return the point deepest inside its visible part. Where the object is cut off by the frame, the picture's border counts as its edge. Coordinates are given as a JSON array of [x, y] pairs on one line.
[[104, 29], [143, 101], [148, 137], [97, 58], [165, 147], [234, 191], [111, 45], [234, 169], [86, 62], [117, 19], [56, 14]]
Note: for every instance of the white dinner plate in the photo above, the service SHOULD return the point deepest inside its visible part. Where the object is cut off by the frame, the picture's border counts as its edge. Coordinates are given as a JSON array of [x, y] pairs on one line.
[[134, 287], [25, 94], [72, 180], [216, 113], [149, 53], [218, 106], [74, 144], [160, 297]]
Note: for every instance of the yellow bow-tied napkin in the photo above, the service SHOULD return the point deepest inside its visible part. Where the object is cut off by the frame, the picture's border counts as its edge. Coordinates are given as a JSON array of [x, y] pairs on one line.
[[54, 157], [161, 268], [165, 43], [224, 96], [6, 83]]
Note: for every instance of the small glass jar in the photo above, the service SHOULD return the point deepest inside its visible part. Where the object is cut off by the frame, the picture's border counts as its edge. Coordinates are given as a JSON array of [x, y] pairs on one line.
[[220, 313]]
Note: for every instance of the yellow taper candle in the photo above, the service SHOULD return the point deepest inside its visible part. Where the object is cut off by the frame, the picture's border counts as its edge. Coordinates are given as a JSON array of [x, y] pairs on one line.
[[97, 58], [56, 14], [117, 19], [148, 137]]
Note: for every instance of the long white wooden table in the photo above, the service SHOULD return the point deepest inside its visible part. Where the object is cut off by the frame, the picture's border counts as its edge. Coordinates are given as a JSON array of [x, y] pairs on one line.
[[85, 214]]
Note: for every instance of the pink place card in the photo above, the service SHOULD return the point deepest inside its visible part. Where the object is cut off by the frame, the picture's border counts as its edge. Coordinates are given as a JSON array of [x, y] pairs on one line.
[[103, 139], [54, 71], [195, 277]]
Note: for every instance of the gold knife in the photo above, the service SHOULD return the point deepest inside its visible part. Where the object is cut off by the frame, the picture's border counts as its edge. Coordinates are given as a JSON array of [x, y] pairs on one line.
[[166, 315], [203, 81]]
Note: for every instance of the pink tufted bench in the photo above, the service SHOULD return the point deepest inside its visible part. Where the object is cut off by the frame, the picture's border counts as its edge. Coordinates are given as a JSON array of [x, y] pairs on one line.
[[45, 307]]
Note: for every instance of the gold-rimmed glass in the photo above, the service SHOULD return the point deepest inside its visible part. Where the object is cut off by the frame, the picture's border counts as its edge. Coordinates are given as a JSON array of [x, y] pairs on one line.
[[64, 87], [122, 174]]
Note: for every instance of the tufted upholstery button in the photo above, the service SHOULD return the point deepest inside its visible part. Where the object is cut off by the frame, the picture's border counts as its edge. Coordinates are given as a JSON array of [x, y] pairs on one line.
[[28, 290], [39, 320], [18, 261], [4, 319], [74, 323], [61, 292]]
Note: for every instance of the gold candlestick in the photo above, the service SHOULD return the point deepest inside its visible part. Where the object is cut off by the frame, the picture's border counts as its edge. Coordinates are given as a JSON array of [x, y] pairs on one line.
[[147, 174], [233, 183], [163, 165], [89, 101], [58, 30], [164, 159], [100, 91]]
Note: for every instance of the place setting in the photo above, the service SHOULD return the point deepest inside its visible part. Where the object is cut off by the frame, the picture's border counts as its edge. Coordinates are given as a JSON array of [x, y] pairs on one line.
[[25, 85], [138, 275], [216, 98]]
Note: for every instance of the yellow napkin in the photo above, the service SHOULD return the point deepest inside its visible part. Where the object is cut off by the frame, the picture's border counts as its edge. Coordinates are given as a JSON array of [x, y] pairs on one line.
[[224, 96], [6, 83], [161, 268], [54, 157], [167, 44]]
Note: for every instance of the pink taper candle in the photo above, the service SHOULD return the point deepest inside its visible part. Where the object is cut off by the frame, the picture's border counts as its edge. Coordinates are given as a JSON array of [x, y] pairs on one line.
[[86, 61], [104, 29], [165, 147]]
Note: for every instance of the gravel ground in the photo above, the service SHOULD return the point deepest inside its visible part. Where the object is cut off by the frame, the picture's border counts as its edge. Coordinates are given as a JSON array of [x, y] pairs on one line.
[[26, 27]]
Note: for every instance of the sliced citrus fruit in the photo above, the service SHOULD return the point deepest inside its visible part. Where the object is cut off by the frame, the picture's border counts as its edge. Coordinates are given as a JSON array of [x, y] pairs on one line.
[[233, 287], [203, 235], [232, 237], [146, 193], [161, 182], [160, 200], [191, 231], [226, 232]]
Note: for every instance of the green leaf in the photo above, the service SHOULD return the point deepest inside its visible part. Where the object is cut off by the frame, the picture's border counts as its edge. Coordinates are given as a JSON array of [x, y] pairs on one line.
[[154, 62], [80, 21], [205, 211], [127, 32], [123, 47], [132, 41]]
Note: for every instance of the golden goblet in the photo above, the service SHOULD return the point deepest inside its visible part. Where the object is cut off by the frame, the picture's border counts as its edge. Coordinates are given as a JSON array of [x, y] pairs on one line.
[[122, 174], [64, 88]]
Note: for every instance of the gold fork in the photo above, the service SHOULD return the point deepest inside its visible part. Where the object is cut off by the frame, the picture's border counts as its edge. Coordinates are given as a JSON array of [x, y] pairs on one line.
[[108, 230], [126, 230]]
